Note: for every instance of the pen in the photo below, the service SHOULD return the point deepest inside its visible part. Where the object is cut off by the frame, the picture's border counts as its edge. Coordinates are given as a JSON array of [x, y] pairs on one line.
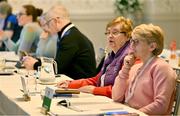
[[116, 112], [62, 95], [11, 60]]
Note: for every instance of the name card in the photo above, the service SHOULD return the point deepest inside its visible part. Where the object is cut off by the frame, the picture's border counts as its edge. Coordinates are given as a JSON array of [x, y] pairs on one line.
[[49, 92]]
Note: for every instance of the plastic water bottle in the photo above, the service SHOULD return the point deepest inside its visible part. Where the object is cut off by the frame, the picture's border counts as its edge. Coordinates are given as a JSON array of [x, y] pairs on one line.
[[173, 49]]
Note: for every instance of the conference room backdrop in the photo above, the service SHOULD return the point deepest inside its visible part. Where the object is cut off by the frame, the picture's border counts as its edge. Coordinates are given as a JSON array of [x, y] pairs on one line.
[[91, 16]]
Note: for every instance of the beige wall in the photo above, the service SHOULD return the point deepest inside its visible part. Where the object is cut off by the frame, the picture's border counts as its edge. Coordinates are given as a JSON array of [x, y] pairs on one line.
[[91, 16], [165, 13]]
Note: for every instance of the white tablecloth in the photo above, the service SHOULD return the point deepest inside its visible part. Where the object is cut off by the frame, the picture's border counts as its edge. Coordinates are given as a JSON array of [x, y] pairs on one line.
[[12, 103]]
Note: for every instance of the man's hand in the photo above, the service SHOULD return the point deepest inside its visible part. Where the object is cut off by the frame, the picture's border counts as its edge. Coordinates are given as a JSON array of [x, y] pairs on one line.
[[44, 35], [29, 62]]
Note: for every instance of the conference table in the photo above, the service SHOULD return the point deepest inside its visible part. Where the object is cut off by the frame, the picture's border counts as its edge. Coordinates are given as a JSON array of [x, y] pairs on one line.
[[12, 102]]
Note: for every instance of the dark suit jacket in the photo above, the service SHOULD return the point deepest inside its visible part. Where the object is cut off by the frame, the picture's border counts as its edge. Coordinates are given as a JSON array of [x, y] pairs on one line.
[[75, 55]]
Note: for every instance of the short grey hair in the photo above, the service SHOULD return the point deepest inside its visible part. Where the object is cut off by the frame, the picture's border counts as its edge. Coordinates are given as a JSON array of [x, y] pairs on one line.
[[57, 11]]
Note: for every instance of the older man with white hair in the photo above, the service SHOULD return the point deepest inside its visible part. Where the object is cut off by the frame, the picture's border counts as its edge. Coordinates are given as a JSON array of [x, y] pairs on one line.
[[75, 54]]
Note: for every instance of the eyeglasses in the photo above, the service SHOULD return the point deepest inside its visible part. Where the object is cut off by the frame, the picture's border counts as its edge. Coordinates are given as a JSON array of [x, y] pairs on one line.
[[20, 14], [47, 22], [114, 33], [134, 41]]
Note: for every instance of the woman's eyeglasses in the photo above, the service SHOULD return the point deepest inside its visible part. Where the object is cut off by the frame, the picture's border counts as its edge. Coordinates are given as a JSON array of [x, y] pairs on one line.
[[134, 41], [20, 14], [114, 33]]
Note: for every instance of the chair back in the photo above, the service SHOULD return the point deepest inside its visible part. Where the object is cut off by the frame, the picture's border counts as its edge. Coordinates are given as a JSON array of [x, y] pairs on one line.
[[177, 98]]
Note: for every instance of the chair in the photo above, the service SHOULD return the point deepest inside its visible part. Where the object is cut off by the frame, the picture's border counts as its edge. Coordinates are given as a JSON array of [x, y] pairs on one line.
[[177, 98], [100, 59], [98, 68], [177, 72]]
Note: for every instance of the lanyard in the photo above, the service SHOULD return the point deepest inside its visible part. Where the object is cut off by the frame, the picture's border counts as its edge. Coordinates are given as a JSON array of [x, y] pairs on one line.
[[133, 84]]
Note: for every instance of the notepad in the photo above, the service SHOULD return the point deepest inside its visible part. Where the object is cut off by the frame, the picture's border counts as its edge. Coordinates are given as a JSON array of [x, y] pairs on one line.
[[67, 91]]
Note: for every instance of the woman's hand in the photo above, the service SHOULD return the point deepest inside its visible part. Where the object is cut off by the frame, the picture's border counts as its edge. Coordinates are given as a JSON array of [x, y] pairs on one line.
[[63, 84], [29, 62], [129, 60], [87, 89]]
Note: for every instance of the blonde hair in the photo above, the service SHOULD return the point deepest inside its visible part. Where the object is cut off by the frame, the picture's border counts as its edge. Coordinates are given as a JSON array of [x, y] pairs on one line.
[[150, 33], [5, 8], [126, 25]]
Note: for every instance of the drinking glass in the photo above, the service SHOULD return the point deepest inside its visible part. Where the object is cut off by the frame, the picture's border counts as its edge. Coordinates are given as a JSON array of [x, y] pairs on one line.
[[2, 63], [31, 84]]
